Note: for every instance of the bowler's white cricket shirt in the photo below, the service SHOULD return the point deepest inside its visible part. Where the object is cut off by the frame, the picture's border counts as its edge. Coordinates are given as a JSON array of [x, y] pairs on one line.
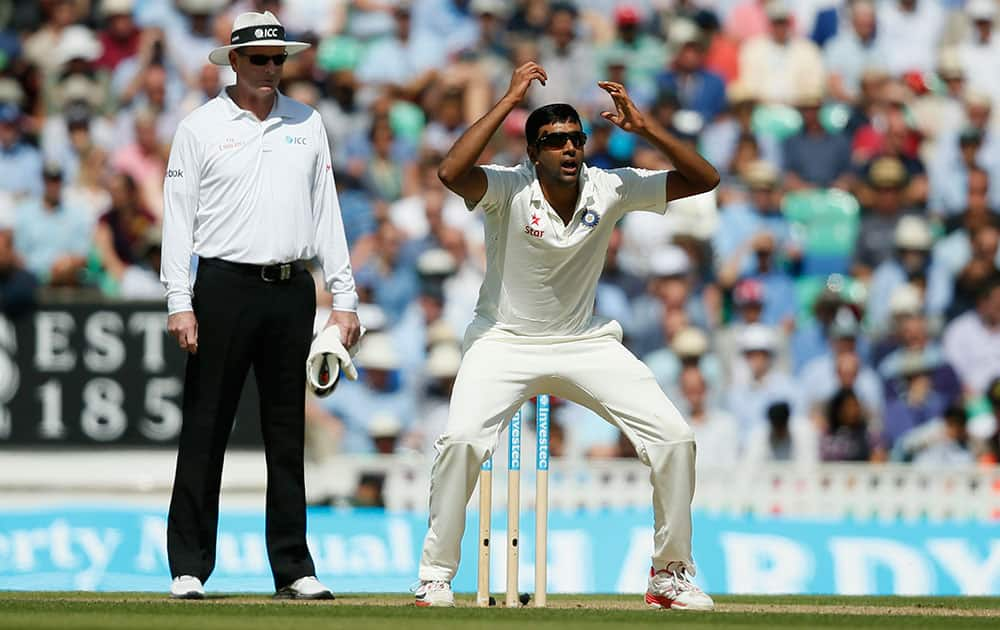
[[252, 191], [541, 275]]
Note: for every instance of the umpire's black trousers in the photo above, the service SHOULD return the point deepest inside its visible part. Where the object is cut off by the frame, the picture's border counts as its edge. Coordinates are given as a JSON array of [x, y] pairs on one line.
[[244, 320]]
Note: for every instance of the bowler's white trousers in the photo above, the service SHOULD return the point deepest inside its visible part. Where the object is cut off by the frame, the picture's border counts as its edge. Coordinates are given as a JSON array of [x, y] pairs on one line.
[[499, 372]]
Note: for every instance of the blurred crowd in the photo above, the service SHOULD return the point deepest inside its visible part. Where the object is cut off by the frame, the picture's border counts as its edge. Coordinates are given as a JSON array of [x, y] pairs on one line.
[[835, 299]]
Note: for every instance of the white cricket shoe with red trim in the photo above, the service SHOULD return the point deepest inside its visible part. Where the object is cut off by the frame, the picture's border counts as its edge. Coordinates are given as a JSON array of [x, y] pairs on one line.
[[434, 593], [673, 589]]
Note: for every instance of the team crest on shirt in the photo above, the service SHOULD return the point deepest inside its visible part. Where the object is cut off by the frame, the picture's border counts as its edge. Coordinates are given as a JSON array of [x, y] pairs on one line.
[[590, 218]]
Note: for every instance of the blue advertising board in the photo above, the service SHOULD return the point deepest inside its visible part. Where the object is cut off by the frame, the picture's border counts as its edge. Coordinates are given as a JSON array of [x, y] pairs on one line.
[[358, 550]]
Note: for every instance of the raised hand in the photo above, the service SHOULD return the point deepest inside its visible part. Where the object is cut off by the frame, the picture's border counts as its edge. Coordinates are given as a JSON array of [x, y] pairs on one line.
[[521, 79], [626, 114]]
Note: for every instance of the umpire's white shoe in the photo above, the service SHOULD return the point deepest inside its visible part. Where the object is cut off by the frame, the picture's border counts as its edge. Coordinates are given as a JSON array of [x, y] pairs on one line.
[[673, 589], [434, 593], [304, 588], [187, 587]]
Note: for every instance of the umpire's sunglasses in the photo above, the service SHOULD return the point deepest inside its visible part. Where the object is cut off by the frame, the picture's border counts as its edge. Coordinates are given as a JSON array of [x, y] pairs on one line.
[[261, 60], [558, 139]]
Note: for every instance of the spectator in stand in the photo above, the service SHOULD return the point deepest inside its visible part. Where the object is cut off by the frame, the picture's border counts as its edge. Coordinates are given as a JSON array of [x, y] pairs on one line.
[[846, 438], [985, 429], [441, 368], [565, 56], [954, 181], [20, 163], [119, 38], [722, 54], [869, 103], [145, 161], [599, 149], [918, 401], [980, 53], [954, 251], [821, 377], [888, 133], [697, 88], [715, 430], [749, 401], [152, 97], [407, 61], [741, 222], [781, 66], [749, 298], [53, 238], [814, 157], [394, 282], [917, 346], [208, 87], [887, 178], [747, 19], [782, 438], [911, 262], [380, 389], [781, 306], [852, 51], [90, 191], [141, 279], [972, 341], [644, 55], [688, 348], [384, 431], [668, 306], [945, 442], [59, 26], [17, 285], [123, 229], [915, 28], [985, 243], [976, 126], [613, 300], [733, 131], [387, 177], [77, 127], [936, 112]]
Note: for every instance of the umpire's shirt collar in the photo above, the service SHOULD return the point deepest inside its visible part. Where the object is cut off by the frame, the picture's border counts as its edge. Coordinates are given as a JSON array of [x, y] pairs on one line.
[[280, 109]]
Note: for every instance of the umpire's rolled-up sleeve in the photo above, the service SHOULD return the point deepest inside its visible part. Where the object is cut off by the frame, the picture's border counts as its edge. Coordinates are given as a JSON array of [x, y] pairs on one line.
[[180, 204]]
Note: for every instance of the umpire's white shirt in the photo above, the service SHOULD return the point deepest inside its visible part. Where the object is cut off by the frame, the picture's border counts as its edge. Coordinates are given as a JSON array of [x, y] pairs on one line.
[[541, 275], [252, 191]]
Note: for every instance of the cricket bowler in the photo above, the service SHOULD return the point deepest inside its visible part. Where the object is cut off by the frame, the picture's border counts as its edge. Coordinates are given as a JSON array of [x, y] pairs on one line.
[[548, 222]]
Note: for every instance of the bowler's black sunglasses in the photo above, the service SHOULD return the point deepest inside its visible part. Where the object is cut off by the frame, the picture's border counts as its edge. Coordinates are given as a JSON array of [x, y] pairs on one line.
[[261, 60], [558, 139]]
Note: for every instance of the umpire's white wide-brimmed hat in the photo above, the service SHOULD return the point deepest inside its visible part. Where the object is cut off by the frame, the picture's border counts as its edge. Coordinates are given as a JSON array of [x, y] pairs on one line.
[[255, 29]]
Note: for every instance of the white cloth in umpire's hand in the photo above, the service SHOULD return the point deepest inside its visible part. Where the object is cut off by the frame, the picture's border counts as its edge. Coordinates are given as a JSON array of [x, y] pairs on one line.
[[327, 359]]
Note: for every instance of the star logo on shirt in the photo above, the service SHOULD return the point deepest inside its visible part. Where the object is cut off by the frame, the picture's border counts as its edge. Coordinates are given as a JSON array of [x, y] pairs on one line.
[[535, 219]]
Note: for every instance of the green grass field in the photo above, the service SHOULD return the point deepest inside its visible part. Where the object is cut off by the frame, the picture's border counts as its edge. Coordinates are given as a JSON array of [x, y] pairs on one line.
[[145, 611]]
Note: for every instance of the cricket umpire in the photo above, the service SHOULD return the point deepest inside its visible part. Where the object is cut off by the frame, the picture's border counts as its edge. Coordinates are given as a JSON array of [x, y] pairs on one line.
[[250, 191]]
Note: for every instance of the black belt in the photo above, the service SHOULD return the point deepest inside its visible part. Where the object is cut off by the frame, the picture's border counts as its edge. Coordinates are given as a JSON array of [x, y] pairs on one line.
[[281, 272]]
